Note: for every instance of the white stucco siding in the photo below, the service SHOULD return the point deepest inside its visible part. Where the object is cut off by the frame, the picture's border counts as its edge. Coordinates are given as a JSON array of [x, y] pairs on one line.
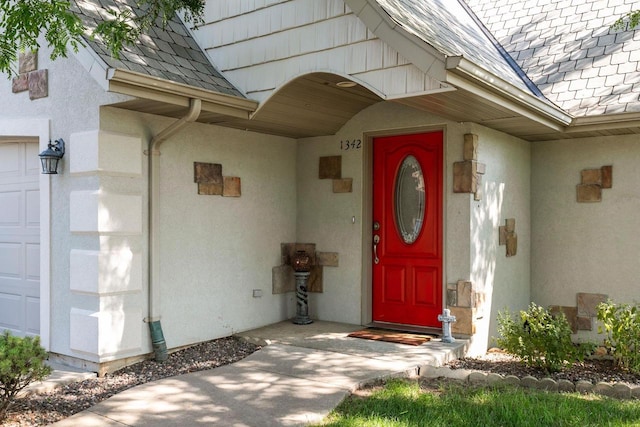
[[262, 48], [214, 250], [505, 193], [471, 249], [585, 247]]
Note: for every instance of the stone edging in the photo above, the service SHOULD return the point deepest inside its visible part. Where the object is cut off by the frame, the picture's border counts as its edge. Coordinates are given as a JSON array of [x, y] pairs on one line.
[[617, 390]]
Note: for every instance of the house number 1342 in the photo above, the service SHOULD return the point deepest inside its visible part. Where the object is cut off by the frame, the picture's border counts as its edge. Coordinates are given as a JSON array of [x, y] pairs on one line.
[[347, 145]]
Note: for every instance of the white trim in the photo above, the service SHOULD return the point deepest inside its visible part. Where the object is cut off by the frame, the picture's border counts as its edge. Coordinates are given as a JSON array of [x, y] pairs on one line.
[[38, 128]]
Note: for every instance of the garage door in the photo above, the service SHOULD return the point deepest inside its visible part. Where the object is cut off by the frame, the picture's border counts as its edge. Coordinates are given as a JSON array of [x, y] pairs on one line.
[[19, 238]]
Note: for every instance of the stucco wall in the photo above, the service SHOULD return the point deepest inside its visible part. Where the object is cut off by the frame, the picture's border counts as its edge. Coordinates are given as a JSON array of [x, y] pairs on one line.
[[505, 194], [585, 247], [471, 233], [215, 250]]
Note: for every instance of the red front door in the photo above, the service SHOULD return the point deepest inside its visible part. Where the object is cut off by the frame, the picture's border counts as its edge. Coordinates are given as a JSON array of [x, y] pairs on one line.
[[407, 234]]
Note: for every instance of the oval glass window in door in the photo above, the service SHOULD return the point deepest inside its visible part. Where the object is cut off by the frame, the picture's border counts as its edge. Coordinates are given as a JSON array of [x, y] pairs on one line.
[[409, 200]]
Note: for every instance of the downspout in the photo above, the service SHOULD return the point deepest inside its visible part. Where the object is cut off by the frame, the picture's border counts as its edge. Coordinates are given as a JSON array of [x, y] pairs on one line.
[[153, 318]]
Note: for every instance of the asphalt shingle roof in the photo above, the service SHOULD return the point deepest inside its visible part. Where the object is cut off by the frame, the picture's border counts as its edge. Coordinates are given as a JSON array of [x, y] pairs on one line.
[[169, 53], [451, 29], [568, 49]]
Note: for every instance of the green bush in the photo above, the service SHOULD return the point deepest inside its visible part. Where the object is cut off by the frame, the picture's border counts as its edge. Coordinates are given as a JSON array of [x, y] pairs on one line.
[[538, 338], [21, 363], [622, 324]]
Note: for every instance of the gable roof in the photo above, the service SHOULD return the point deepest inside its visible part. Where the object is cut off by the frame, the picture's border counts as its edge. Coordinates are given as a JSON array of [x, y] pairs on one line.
[[449, 27], [168, 53], [570, 51]]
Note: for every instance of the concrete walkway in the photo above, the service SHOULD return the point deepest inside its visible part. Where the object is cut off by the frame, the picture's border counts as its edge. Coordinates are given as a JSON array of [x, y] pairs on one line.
[[297, 378]]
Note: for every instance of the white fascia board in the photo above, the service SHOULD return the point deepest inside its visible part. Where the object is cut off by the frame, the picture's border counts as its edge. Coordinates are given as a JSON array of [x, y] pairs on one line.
[[604, 122], [148, 87], [93, 64], [466, 75], [414, 49]]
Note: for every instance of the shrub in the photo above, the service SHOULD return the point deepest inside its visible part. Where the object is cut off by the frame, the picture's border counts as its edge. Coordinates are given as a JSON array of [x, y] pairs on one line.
[[538, 338], [622, 324], [21, 363]]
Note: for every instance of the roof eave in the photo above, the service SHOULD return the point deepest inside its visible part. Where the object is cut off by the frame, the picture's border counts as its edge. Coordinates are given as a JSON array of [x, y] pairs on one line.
[[464, 74], [143, 86], [605, 122]]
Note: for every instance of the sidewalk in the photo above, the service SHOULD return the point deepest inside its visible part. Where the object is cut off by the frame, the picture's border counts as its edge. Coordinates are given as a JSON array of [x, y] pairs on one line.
[[297, 379]]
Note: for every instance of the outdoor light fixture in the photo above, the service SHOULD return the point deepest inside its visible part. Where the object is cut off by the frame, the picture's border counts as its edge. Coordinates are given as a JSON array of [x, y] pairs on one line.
[[51, 156]]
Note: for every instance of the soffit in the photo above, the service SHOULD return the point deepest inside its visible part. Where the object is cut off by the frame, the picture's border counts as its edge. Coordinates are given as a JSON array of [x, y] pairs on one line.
[[313, 105]]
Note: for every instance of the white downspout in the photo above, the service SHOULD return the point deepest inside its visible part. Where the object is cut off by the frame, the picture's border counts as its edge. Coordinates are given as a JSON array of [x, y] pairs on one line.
[[153, 318]]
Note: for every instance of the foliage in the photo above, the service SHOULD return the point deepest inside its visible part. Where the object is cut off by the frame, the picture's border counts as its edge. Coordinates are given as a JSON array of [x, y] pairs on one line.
[[402, 403], [538, 338], [622, 324], [631, 18], [23, 21], [21, 363]]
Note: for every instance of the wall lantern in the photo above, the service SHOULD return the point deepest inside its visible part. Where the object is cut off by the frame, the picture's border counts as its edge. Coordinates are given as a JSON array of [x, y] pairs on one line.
[[51, 156]]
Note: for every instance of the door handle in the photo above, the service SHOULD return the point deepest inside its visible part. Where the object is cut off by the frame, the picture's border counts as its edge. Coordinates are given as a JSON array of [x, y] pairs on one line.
[[376, 240]]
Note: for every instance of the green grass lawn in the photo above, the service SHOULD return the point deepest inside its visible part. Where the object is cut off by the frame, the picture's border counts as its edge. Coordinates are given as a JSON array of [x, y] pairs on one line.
[[404, 403]]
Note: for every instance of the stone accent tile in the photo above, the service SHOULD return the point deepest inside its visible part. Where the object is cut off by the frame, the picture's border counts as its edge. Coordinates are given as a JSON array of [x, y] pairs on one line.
[[570, 313], [38, 84], [315, 279], [210, 173], [27, 62], [327, 259], [465, 294], [20, 83], [588, 303], [470, 147], [282, 279], [502, 235], [288, 249], [465, 177], [584, 323], [330, 167], [210, 189], [343, 185], [512, 244], [464, 323], [587, 193], [591, 176], [607, 176], [481, 168], [232, 187], [510, 224]]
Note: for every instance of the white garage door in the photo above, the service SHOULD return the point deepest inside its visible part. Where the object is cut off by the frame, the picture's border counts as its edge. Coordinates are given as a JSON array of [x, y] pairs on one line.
[[19, 238]]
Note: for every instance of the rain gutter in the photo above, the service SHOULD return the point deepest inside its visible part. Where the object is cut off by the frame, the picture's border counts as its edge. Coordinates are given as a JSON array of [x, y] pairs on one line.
[[466, 75]]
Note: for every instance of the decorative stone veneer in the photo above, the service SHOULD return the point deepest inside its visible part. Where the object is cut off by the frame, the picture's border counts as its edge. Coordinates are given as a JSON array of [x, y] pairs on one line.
[[211, 182], [330, 167], [465, 303], [581, 316], [478, 378], [467, 175], [282, 276], [30, 78], [592, 182], [508, 236]]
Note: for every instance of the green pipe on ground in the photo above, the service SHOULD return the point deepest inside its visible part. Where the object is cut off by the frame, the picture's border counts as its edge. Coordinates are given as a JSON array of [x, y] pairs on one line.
[[158, 342]]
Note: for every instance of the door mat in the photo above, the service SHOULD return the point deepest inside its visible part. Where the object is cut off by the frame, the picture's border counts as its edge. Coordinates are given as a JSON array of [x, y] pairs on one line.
[[390, 336]]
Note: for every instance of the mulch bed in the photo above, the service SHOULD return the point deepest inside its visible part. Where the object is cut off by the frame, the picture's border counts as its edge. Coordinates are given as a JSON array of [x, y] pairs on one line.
[[593, 370]]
